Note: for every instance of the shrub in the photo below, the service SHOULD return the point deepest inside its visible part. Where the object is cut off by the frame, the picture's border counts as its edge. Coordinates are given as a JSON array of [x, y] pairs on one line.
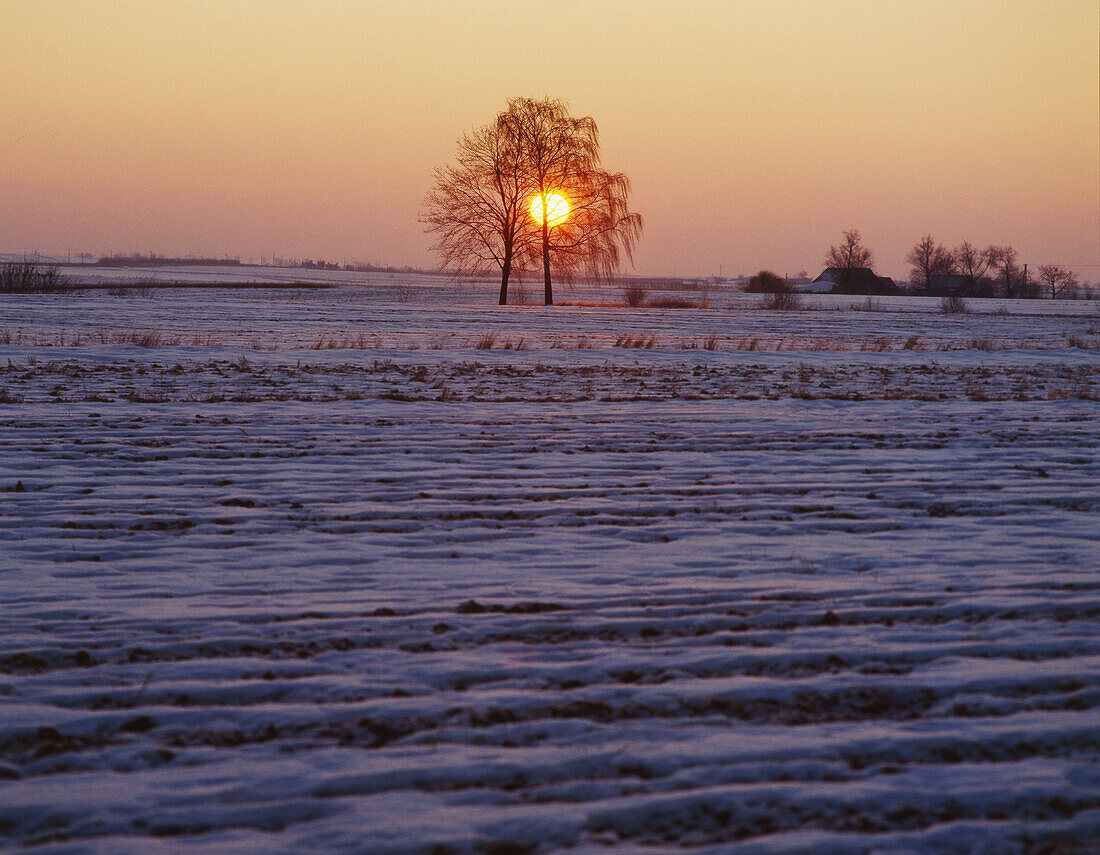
[[634, 296], [780, 295], [25, 277], [766, 282], [782, 301], [953, 304]]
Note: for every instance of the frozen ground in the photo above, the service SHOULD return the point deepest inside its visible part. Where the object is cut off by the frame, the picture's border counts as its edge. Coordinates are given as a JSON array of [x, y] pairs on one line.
[[312, 573]]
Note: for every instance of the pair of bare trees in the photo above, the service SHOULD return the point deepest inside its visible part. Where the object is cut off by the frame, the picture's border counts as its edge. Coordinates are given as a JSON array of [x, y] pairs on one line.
[[528, 191]]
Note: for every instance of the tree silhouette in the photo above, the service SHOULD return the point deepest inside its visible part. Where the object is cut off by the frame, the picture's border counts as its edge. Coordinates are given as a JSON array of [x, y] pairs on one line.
[[929, 259], [561, 157], [1061, 282], [850, 254], [1003, 259], [971, 261], [477, 208], [528, 189]]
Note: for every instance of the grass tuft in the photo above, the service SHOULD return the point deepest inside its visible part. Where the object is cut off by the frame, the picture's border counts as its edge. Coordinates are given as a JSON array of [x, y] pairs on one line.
[[641, 340]]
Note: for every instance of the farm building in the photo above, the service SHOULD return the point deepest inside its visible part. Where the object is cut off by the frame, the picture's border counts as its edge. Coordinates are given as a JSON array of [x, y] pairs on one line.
[[852, 280]]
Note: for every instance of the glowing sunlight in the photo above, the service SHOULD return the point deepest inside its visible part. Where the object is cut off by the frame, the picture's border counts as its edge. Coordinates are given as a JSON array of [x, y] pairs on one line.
[[556, 206]]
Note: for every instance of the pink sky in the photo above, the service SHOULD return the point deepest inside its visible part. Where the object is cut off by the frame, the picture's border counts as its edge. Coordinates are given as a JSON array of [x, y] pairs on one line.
[[754, 132]]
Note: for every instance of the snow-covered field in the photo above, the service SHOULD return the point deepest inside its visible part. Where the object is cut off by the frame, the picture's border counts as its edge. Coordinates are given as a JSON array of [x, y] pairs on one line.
[[312, 572]]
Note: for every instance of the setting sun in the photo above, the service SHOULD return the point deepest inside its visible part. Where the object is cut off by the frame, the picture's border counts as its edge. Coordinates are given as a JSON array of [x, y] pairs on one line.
[[556, 206]]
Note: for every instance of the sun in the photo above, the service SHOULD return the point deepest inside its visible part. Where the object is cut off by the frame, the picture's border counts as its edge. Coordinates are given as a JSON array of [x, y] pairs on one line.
[[556, 206]]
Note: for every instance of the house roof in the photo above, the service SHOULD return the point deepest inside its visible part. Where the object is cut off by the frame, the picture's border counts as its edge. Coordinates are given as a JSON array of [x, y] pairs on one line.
[[857, 280]]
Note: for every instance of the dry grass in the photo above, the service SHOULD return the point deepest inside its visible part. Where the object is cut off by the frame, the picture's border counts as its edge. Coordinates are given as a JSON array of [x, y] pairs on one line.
[[708, 343], [641, 340], [672, 303], [486, 342], [329, 341], [144, 338]]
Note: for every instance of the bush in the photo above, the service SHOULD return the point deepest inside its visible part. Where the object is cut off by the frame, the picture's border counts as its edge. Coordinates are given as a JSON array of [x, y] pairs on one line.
[[25, 277], [780, 295], [766, 282], [634, 296], [953, 304], [783, 301]]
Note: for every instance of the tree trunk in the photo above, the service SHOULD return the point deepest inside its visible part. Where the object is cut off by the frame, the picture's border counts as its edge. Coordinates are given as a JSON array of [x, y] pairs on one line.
[[505, 270], [548, 292]]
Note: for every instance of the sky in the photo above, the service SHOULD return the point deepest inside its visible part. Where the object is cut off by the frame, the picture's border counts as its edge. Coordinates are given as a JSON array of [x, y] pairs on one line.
[[754, 132]]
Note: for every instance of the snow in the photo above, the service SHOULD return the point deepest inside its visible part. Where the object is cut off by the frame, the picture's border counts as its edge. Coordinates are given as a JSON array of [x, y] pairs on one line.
[[314, 573]]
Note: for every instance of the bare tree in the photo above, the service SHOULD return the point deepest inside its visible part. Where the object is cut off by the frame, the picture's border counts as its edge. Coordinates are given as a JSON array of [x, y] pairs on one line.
[[598, 230], [929, 259], [1061, 283], [1003, 260], [850, 254], [582, 217], [477, 208], [971, 262]]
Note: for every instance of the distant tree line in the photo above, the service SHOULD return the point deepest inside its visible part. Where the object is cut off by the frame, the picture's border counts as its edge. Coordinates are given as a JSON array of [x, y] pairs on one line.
[[154, 260], [964, 271], [991, 272]]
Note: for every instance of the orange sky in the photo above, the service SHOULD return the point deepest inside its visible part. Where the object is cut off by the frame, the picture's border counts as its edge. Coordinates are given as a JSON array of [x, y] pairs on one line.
[[754, 131]]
